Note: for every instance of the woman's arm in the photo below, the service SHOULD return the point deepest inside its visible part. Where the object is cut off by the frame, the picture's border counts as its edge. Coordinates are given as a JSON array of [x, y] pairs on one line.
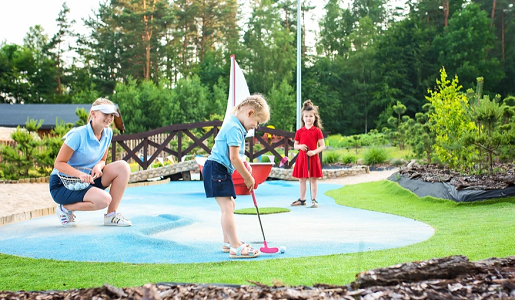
[[97, 169], [61, 164]]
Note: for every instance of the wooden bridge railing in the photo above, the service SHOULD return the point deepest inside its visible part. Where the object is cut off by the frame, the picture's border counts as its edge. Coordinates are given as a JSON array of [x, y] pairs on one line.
[[143, 142]]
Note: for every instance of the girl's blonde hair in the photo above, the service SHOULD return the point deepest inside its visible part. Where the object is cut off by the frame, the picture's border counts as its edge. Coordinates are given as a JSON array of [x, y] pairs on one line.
[[258, 103], [309, 107], [98, 102]]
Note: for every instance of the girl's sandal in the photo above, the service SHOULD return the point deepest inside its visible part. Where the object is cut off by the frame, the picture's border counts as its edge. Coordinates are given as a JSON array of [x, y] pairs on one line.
[[314, 204], [298, 202], [226, 247], [251, 253]]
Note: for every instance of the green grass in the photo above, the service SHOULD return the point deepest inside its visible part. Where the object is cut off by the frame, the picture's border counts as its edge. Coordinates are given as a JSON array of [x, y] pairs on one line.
[[262, 211], [478, 230]]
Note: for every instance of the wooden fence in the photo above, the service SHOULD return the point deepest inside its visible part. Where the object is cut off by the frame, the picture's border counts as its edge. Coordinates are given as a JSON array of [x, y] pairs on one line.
[[192, 139]]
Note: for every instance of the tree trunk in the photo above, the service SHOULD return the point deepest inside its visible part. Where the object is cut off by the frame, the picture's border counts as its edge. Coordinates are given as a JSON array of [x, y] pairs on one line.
[[502, 35], [147, 38], [445, 6], [59, 88], [493, 14]]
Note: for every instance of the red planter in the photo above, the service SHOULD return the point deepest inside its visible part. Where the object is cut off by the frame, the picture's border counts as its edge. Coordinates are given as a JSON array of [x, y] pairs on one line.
[[260, 172]]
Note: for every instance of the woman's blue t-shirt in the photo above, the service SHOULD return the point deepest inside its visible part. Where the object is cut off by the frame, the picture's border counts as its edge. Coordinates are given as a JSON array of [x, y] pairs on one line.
[[87, 149]]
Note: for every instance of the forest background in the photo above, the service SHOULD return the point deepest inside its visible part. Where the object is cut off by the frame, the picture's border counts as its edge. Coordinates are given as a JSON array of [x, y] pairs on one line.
[[167, 62]]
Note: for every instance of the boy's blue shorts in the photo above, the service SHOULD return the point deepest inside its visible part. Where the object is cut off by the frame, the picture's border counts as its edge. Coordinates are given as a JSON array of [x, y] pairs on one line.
[[217, 180], [62, 195]]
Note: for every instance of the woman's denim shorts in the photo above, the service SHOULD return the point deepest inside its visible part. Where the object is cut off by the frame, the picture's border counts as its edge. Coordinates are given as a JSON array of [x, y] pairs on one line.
[[217, 180], [62, 195]]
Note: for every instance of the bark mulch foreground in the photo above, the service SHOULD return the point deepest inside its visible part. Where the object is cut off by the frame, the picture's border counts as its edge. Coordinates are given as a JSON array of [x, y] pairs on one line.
[[501, 179], [453, 277]]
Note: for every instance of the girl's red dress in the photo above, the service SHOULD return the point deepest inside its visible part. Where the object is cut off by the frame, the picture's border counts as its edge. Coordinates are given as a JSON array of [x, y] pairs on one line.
[[310, 138]]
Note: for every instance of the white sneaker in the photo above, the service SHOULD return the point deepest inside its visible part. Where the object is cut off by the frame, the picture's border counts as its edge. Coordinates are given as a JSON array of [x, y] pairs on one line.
[[67, 218], [116, 219]]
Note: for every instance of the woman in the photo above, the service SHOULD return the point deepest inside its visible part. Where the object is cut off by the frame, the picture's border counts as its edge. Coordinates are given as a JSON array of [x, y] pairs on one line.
[[86, 147]]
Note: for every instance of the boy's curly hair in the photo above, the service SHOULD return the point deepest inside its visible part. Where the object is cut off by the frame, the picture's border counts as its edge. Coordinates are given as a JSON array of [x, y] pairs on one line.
[[258, 103]]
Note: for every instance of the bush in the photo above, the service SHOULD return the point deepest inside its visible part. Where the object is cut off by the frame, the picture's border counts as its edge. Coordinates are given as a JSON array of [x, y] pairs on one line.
[[336, 141], [331, 157], [375, 155], [349, 159], [265, 159], [396, 162]]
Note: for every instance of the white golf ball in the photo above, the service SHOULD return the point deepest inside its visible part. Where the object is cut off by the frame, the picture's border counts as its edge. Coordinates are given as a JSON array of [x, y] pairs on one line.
[[71, 187], [282, 249], [78, 186]]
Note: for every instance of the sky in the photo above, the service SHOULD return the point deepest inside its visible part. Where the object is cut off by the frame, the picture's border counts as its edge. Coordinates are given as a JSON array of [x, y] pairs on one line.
[[16, 17]]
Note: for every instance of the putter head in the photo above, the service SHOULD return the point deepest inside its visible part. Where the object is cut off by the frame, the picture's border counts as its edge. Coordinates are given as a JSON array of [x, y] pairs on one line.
[[269, 250], [265, 249]]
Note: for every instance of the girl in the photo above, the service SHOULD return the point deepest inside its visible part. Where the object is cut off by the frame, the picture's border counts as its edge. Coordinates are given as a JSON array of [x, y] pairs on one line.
[[87, 146], [224, 158], [310, 141]]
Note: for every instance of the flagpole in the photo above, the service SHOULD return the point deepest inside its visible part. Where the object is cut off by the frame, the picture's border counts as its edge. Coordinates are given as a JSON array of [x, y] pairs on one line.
[[299, 82]]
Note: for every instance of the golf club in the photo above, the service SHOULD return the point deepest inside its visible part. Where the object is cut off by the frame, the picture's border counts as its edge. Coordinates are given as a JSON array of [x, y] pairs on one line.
[[264, 249], [309, 176]]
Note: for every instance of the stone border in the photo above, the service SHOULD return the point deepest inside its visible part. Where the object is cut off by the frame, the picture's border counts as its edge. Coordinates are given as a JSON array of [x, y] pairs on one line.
[[144, 175], [27, 180], [286, 174], [25, 216]]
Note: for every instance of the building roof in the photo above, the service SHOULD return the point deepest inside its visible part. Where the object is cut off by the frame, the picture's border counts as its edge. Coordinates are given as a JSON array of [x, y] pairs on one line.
[[13, 115]]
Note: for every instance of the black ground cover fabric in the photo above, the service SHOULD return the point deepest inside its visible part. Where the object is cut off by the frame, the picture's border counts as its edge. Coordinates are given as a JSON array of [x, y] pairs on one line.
[[447, 191]]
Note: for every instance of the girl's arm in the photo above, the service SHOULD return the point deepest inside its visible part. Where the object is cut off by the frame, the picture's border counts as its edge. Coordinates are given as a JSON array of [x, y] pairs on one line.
[[321, 147], [298, 146], [234, 153]]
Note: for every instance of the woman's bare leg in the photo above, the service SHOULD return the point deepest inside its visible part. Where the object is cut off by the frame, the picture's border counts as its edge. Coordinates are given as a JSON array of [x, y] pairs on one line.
[[117, 175]]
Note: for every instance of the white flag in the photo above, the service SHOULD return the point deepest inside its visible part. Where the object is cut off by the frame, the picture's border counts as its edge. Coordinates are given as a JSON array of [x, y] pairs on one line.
[[238, 90]]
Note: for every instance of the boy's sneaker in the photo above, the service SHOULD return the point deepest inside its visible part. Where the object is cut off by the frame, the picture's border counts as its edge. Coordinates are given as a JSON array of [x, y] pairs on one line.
[[116, 219], [66, 217]]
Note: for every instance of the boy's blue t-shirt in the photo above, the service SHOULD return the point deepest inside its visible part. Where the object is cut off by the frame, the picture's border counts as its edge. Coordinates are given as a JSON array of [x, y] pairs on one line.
[[88, 150], [232, 133]]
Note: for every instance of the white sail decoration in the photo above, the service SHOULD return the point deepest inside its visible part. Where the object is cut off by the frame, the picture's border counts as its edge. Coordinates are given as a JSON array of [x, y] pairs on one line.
[[238, 90]]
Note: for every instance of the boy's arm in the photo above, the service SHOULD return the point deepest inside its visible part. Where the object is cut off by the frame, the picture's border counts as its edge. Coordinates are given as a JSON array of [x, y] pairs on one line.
[[234, 153]]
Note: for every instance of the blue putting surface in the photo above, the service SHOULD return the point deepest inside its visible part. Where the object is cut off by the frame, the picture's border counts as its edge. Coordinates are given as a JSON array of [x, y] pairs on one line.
[[176, 223]]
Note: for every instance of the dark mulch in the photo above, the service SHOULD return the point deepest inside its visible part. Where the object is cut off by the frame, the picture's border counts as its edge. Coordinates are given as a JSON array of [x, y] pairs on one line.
[[453, 277], [504, 177]]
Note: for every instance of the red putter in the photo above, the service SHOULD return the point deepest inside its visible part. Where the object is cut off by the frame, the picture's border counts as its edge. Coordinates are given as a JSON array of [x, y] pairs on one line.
[[264, 249]]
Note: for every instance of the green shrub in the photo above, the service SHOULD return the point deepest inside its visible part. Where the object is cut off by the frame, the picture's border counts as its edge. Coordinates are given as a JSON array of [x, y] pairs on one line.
[[335, 141], [396, 162], [331, 157], [349, 159], [375, 155], [264, 159]]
